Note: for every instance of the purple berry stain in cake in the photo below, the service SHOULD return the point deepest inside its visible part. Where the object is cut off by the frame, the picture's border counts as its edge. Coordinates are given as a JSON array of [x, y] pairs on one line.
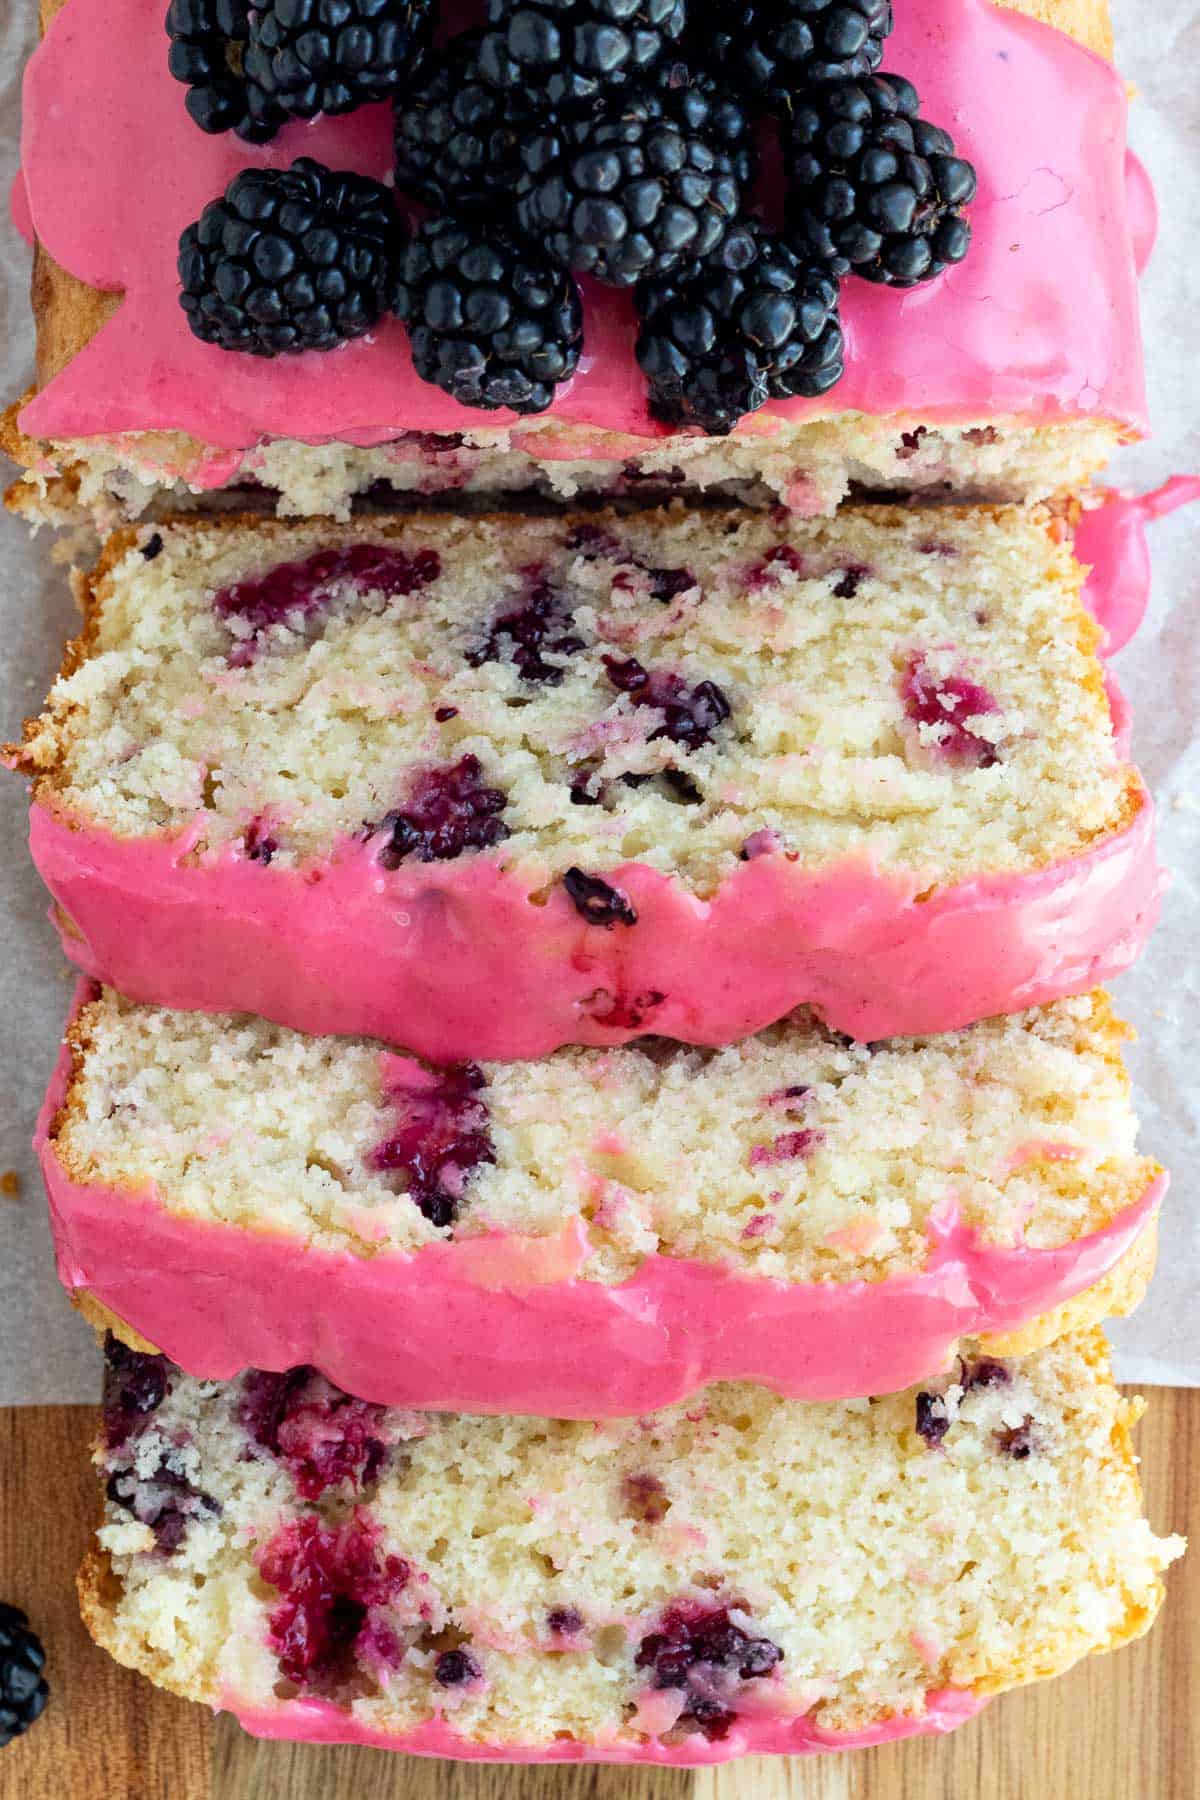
[[450, 810], [334, 1583], [705, 1654], [528, 634], [848, 580], [135, 1386], [292, 593], [1017, 1441], [690, 714], [163, 1499], [984, 1372], [789, 1146], [443, 1140], [645, 1499], [457, 1668], [783, 559], [944, 703], [323, 1436], [933, 1418], [565, 1622], [594, 544], [258, 843], [598, 901]]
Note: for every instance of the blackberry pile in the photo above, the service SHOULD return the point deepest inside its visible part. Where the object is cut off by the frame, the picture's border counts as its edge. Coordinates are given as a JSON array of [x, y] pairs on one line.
[[613, 139]]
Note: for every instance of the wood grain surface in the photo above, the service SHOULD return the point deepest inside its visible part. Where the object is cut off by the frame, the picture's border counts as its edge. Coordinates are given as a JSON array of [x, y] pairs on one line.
[[1123, 1727]]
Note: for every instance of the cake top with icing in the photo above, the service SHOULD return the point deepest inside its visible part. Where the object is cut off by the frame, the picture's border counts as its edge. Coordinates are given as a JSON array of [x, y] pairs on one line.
[[1039, 322]]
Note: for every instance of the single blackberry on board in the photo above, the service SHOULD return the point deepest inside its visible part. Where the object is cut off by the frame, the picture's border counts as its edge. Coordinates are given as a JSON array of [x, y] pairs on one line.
[[208, 43], [751, 323], [314, 56], [492, 322], [560, 52], [289, 260], [778, 48], [458, 139], [873, 187], [626, 190], [23, 1689]]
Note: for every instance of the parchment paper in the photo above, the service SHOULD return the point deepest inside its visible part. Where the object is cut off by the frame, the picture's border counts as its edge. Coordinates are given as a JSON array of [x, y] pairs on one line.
[[46, 1354]]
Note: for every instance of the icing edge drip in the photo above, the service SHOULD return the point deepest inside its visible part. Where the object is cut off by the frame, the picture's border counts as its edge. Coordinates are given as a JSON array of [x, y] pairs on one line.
[[1111, 539]]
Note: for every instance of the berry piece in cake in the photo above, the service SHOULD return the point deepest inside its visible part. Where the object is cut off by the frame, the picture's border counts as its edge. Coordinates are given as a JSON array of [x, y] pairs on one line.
[[941, 705], [873, 187], [526, 635], [161, 1497], [457, 138], [208, 45], [444, 1138], [315, 56], [706, 1655], [491, 322], [723, 335], [560, 52], [289, 260], [597, 901], [626, 190], [456, 1668], [292, 592], [690, 714], [135, 1386], [782, 48], [334, 1582], [932, 1418], [23, 1687], [449, 811], [324, 1436]]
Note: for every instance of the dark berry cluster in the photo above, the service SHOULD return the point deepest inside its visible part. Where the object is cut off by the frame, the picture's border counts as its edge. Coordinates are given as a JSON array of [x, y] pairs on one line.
[[614, 139]]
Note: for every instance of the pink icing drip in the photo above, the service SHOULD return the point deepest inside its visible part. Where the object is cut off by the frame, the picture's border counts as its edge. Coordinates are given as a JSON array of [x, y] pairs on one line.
[[18, 204], [454, 961], [1142, 209], [1111, 539], [500, 1323], [318, 1722], [1040, 321]]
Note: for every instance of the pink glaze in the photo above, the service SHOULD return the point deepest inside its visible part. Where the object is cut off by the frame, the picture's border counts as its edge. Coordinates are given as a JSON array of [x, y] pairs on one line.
[[463, 961], [1111, 540], [489, 1324], [320, 1722], [1040, 321], [1142, 208], [18, 204]]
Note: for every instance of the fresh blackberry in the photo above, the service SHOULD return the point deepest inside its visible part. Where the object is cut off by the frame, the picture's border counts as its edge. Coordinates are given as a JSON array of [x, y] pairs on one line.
[[457, 138], [492, 322], [780, 48], [560, 52], [626, 191], [702, 103], [314, 56], [289, 260], [750, 323], [208, 42], [23, 1689], [873, 187]]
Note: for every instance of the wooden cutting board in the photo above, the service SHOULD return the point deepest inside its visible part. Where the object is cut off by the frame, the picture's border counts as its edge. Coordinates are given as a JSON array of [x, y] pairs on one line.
[[1117, 1728]]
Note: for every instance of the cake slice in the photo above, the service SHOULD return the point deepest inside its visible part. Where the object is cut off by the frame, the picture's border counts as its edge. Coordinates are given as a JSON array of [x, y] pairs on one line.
[[749, 1575], [603, 1231], [484, 786], [1014, 374]]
